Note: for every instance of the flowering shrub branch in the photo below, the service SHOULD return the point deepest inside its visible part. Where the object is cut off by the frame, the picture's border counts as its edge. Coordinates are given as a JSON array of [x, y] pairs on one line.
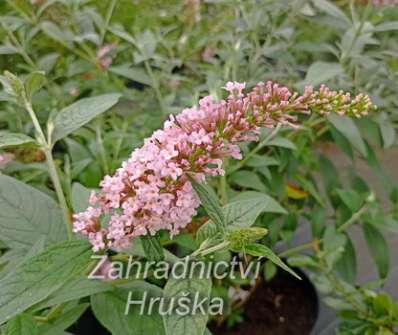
[[151, 191]]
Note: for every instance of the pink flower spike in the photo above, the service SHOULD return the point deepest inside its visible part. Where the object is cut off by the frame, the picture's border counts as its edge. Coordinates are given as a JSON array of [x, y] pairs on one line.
[[151, 191]]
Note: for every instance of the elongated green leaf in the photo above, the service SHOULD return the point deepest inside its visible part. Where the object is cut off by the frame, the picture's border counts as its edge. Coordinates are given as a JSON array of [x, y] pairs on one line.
[[387, 131], [65, 320], [331, 9], [53, 31], [282, 142], [13, 139], [192, 323], [34, 82], [242, 212], [136, 74], [80, 197], [333, 245], [248, 179], [347, 264], [386, 26], [74, 289], [210, 203], [110, 309], [8, 49], [260, 161], [79, 113], [13, 86], [26, 214], [23, 324], [378, 249], [41, 276], [17, 257], [351, 199], [321, 72], [260, 250], [348, 128], [152, 247]]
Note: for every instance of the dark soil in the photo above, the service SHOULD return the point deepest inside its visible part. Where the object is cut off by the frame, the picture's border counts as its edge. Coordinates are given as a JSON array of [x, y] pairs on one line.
[[88, 324], [283, 306]]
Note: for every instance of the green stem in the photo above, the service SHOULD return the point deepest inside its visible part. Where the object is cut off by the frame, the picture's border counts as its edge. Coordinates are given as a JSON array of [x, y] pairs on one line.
[[358, 31], [299, 248], [58, 190], [108, 17], [47, 148], [354, 218], [40, 134], [256, 149], [101, 149], [119, 141], [53, 313], [19, 46], [223, 190], [155, 86], [204, 252]]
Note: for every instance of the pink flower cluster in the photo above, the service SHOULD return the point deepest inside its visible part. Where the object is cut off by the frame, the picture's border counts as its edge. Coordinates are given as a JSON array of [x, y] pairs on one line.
[[5, 158], [151, 190]]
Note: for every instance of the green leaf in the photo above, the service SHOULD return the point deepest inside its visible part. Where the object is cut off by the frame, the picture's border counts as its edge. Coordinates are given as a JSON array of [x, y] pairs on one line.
[[192, 323], [386, 26], [270, 270], [53, 31], [8, 49], [337, 304], [210, 203], [302, 261], [80, 197], [33, 83], [6, 86], [23, 324], [333, 245], [321, 72], [378, 248], [248, 179], [26, 214], [242, 212], [13, 139], [137, 74], [308, 185], [41, 276], [282, 142], [260, 161], [347, 264], [79, 113], [387, 130], [17, 257], [348, 128], [342, 142], [388, 224], [329, 174], [74, 289], [332, 10], [47, 62], [152, 248], [351, 199], [13, 86], [65, 320], [109, 308], [260, 250]]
